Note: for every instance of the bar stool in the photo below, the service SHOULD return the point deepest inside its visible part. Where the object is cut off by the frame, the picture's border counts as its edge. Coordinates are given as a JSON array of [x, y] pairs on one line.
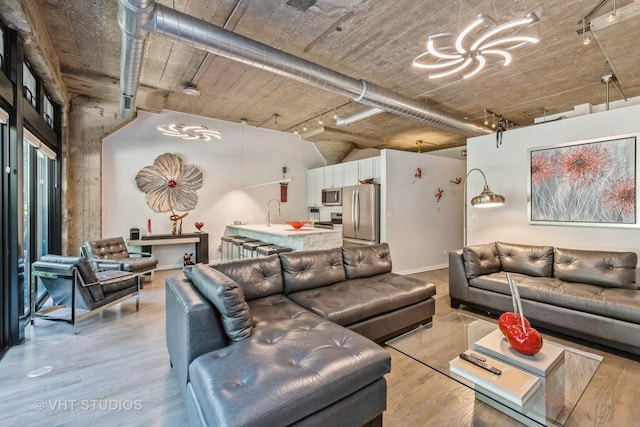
[[237, 243], [263, 251], [249, 248], [225, 247]]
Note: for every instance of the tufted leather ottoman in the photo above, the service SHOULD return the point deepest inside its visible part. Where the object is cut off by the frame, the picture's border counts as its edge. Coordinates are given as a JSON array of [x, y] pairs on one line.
[[293, 365]]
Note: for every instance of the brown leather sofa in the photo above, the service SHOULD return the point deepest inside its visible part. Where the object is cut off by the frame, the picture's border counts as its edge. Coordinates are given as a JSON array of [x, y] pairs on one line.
[[588, 294], [283, 340]]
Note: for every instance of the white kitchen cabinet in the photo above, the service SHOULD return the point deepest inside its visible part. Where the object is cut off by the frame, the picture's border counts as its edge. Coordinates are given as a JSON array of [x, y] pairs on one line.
[[366, 168], [333, 176], [376, 170], [315, 184], [349, 173]]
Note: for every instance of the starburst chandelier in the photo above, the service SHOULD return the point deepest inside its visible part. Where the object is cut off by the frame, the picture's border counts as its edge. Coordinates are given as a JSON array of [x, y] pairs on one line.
[[482, 43], [181, 130]]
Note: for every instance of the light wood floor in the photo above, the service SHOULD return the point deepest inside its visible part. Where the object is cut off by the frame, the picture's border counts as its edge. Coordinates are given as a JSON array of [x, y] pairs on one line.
[[116, 372]]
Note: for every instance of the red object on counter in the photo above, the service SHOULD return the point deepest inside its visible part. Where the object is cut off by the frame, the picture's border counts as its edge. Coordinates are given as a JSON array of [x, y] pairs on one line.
[[149, 226], [297, 224], [283, 192]]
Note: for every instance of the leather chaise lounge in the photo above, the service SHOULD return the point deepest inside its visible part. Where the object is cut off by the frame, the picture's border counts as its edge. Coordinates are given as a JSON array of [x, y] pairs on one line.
[[588, 294], [287, 339]]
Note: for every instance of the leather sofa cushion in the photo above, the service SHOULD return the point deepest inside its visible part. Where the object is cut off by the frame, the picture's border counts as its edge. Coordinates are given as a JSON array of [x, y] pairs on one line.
[[258, 277], [226, 295], [615, 303], [294, 364], [311, 269], [480, 260], [534, 261], [601, 268], [355, 300], [365, 261], [137, 264], [107, 248]]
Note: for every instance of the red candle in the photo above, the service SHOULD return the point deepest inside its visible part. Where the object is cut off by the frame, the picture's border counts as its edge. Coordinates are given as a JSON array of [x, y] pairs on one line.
[[149, 226]]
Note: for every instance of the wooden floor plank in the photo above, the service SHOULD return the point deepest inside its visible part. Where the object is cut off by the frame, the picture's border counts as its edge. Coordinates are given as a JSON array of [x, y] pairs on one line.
[[116, 371]]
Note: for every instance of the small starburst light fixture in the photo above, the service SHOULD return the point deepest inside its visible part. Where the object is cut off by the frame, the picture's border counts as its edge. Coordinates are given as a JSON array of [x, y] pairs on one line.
[[482, 43]]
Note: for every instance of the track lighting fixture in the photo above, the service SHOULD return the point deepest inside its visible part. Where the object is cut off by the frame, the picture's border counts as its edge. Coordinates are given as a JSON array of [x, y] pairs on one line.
[[612, 15], [320, 121], [305, 128], [335, 114], [493, 121], [486, 122], [585, 38]]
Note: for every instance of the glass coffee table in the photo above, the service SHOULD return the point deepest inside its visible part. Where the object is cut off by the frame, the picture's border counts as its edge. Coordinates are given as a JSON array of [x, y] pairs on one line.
[[436, 344]]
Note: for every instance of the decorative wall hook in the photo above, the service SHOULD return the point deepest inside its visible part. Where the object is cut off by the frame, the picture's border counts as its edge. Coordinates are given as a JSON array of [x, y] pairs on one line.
[[439, 194], [458, 180]]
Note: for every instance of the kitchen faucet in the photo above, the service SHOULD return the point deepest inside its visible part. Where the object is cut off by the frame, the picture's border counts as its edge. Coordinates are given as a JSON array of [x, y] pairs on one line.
[[269, 210]]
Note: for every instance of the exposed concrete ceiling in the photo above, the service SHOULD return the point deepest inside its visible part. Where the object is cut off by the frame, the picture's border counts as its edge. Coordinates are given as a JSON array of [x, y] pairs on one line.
[[365, 39]]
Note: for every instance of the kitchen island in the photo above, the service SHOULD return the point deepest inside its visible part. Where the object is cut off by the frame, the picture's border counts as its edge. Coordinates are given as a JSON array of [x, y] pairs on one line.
[[305, 238]]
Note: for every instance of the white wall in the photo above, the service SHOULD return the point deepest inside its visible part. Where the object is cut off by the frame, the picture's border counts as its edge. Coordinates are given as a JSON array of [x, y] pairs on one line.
[[245, 155], [506, 170], [419, 230]]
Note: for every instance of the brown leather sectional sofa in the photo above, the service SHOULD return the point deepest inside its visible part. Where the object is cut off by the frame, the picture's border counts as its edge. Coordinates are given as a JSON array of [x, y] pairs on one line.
[[584, 293], [287, 339]]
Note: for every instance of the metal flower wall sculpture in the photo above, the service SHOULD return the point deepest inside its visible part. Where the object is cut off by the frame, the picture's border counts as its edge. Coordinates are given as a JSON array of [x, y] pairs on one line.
[[169, 186]]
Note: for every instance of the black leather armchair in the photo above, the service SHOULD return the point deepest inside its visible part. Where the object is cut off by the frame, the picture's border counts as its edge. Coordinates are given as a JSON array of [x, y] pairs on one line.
[[112, 253], [75, 286]]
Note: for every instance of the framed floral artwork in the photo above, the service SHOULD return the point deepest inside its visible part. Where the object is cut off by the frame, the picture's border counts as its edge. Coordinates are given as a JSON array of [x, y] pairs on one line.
[[588, 183]]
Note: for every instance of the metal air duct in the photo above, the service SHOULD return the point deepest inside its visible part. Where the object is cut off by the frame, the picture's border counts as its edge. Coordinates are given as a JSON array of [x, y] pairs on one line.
[[132, 15], [200, 34]]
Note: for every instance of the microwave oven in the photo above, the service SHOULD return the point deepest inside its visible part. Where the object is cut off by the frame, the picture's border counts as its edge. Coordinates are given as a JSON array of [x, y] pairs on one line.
[[331, 197]]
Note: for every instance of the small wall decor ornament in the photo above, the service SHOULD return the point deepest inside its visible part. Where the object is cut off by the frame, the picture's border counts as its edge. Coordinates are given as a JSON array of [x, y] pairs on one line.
[[417, 175], [169, 186], [439, 194]]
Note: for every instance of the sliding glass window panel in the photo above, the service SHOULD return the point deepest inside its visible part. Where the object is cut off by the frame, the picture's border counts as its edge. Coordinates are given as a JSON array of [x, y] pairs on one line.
[[43, 194], [4, 238], [30, 85], [27, 212], [47, 111]]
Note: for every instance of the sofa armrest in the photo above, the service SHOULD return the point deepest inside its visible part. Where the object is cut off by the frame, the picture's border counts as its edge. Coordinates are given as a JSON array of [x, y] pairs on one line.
[[193, 326], [458, 283]]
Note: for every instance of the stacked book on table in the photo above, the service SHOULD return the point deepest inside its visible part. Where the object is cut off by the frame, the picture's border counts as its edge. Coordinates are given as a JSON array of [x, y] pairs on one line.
[[513, 386], [520, 375]]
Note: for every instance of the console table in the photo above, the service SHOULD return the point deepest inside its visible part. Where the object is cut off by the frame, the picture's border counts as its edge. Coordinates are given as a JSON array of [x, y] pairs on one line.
[[201, 241]]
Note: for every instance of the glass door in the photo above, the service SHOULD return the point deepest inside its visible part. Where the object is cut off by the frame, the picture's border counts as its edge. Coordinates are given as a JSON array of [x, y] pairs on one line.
[[37, 191]]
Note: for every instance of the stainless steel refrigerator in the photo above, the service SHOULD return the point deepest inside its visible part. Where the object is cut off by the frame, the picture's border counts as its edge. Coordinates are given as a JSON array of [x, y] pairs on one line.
[[361, 214]]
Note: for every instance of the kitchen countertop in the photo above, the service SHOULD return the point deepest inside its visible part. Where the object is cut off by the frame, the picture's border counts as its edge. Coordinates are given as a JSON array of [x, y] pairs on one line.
[[306, 238], [284, 229]]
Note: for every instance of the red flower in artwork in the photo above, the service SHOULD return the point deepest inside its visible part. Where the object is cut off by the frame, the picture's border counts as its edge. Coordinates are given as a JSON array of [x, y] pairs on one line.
[[541, 168], [583, 164], [621, 197]]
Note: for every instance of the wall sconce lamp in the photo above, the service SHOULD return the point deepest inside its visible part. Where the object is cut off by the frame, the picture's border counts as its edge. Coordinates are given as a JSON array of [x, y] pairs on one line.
[[486, 199]]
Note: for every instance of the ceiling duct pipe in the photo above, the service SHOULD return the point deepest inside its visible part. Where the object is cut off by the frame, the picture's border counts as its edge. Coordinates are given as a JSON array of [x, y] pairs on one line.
[[132, 15], [200, 34]]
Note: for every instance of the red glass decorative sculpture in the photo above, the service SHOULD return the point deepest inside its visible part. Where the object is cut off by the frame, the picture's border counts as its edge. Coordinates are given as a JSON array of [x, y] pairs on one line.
[[516, 328]]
